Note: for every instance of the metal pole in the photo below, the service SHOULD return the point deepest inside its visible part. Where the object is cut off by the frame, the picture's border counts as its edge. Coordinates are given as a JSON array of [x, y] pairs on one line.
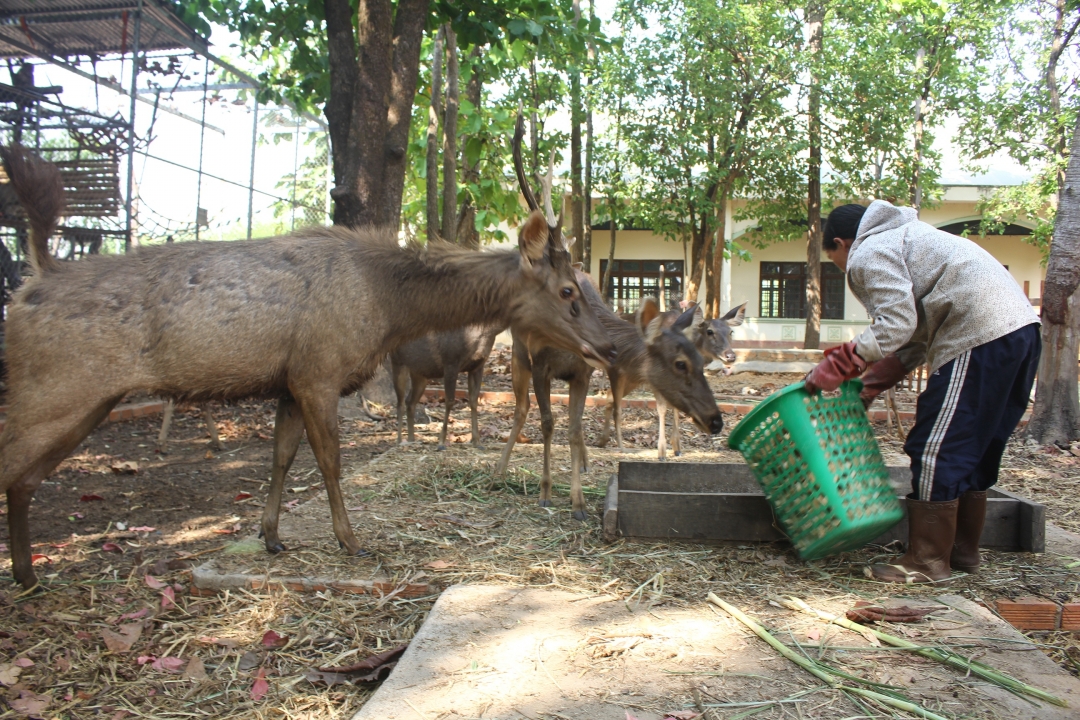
[[251, 175], [329, 182], [202, 136], [295, 170], [129, 225]]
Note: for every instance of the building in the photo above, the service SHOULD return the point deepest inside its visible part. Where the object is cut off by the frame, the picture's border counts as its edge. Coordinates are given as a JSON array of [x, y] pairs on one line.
[[772, 282]]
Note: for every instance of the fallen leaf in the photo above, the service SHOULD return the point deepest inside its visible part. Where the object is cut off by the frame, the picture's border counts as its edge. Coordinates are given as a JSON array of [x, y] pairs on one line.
[[143, 659], [63, 664], [143, 529], [90, 498], [37, 557], [122, 640], [134, 615], [260, 687], [154, 583], [814, 634], [59, 546], [30, 704], [83, 635], [369, 670], [630, 716], [439, 564], [241, 496], [195, 670], [682, 715], [249, 661], [9, 674], [169, 664], [24, 662], [168, 598], [128, 467], [272, 640], [302, 488], [111, 547]]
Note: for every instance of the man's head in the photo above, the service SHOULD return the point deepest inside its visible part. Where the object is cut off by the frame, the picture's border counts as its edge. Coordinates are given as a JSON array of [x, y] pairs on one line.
[[840, 231]]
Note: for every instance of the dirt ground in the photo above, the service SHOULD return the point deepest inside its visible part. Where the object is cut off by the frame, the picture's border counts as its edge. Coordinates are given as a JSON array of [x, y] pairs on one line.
[[114, 546]]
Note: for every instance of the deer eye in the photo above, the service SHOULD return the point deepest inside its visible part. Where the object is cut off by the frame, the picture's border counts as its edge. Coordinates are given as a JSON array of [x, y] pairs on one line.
[[566, 293], [680, 366], [709, 332]]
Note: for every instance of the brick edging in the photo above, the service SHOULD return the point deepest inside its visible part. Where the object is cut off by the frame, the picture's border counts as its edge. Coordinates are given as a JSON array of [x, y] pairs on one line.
[[129, 411], [1032, 613]]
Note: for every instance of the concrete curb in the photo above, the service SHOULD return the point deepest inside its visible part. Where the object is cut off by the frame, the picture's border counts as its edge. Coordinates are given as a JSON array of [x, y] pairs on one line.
[[207, 579], [119, 413]]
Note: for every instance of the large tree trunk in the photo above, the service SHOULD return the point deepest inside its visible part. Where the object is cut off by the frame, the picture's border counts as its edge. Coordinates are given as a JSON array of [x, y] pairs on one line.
[[577, 117], [1056, 415], [467, 234], [605, 282], [586, 248], [449, 221], [815, 21], [373, 77], [922, 62], [432, 181], [716, 278]]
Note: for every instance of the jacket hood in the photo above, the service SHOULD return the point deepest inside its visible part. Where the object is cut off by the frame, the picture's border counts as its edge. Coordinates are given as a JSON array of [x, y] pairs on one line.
[[881, 216]]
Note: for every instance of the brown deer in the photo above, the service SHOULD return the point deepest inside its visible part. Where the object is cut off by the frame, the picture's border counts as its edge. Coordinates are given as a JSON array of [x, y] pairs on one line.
[[712, 338], [303, 318], [166, 424], [647, 352], [442, 355]]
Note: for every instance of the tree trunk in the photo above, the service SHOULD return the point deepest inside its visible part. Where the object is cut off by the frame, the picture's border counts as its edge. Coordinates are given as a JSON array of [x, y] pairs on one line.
[[717, 260], [1055, 417], [373, 76], [467, 233], [577, 117], [450, 118], [534, 120], [434, 112], [586, 247], [920, 122], [815, 21], [605, 283]]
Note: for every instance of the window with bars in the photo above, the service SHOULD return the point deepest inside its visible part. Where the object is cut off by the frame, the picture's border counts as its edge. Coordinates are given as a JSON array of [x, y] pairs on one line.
[[783, 290], [632, 280]]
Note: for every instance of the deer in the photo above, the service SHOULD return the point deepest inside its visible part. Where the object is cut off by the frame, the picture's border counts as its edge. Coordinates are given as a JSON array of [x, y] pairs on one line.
[[302, 319], [442, 355], [166, 424], [647, 352], [712, 338]]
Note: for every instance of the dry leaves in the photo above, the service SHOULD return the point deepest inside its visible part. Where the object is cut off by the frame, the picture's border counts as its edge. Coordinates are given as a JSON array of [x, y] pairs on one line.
[[122, 640]]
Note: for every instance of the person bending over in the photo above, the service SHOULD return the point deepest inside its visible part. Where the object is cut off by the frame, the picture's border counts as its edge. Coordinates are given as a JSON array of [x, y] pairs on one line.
[[938, 299]]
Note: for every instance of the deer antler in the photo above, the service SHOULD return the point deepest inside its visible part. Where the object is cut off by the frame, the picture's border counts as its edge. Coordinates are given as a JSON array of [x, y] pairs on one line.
[[546, 184], [519, 169]]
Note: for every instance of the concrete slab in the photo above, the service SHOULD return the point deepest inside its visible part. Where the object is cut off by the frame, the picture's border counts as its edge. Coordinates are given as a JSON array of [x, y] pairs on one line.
[[763, 366], [504, 653]]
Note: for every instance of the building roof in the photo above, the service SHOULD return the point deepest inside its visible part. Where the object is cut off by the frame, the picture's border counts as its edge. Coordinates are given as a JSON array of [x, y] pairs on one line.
[[63, 28]]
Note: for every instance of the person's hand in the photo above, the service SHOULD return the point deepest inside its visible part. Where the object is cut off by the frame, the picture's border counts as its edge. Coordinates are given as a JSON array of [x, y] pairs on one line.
[[839, 364], [882, 375]]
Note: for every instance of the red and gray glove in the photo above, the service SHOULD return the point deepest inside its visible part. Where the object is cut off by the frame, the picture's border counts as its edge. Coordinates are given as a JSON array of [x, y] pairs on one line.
[[840, 363], [882, 375]]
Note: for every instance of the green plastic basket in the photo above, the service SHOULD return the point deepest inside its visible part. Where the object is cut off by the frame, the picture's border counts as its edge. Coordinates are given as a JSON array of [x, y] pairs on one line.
[[820, 467]]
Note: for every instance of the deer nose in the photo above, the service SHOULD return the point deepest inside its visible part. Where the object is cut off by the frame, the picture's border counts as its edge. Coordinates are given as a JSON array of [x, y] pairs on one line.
[[716, 424], [729, 356]]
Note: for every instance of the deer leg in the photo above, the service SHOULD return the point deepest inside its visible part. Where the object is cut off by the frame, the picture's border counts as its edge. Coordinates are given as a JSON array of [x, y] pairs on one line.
[[579, 388], [321, 422], [401, 376], [542, 385], [288, 430], [617, 392], [661, 440], [417, 386], [449, 395], [675, 435], [30, 453], [166, 422], [476, 379], [605, 434], [211, 427], [521, 376]]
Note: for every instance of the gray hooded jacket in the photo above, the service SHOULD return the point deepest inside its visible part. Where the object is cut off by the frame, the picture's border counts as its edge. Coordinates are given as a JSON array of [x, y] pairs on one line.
[[932, 295]]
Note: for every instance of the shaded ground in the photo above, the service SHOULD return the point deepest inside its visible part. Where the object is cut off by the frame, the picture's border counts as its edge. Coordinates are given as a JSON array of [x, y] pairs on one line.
[[194, 502]]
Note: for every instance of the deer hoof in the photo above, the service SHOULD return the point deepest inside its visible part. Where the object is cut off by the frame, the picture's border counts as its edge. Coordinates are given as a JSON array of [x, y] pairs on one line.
[[581, 515], [678, 453], [275, 548], [544, 503], [440, 448]]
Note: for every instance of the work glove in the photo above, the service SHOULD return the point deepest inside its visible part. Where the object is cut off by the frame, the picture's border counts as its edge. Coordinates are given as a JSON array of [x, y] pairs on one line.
[[882, 375], [840, 363]]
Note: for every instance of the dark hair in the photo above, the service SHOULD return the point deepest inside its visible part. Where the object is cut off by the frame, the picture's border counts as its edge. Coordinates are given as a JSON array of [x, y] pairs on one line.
[[843, 223]]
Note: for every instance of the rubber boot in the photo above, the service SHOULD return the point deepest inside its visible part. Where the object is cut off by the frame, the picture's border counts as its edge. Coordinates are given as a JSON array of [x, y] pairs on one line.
[[931, 532], [970, 516]]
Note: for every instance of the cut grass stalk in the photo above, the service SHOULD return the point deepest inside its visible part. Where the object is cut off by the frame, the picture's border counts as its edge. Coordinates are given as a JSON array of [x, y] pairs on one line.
[[941, 655], [894, 700]]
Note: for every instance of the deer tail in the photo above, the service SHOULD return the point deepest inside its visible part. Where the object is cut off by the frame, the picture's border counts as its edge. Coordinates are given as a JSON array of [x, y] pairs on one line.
[[40, 190]]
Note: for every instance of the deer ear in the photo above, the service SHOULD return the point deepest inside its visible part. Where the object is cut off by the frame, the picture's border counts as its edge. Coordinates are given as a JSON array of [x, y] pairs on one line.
[[649, 320], [735, 316], [699, 315], [685, 320], [533, 237], [579, 266]]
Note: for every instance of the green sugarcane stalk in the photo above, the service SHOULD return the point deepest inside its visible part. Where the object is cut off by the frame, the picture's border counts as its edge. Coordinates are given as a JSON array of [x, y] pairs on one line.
[[942, 655], [814, 669]]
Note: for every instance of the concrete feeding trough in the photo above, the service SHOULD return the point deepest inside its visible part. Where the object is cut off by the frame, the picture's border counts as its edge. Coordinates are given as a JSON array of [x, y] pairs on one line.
[[723, 502]]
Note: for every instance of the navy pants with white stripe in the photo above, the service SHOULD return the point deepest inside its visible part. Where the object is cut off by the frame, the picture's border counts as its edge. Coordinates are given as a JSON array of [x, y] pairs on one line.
[[965, 416]]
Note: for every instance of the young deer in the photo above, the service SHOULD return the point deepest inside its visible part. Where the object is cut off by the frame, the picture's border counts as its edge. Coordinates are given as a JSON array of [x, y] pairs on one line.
[[442, 355], [648, 352], [303, 318], [712, 338]]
